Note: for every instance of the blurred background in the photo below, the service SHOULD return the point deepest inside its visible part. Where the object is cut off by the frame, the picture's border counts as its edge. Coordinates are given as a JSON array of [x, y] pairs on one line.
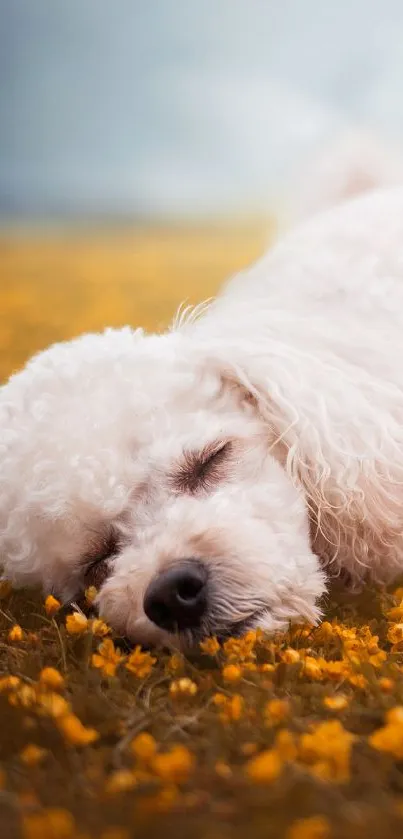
[[147, 149]]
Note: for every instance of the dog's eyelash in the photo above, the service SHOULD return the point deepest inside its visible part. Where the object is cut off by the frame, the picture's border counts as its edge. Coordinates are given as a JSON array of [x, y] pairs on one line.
[[200, 469], [101, 552]]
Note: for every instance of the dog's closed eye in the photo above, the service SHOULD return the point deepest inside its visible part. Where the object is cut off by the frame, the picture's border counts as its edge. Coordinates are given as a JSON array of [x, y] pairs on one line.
[[201, 470], [96, 561]]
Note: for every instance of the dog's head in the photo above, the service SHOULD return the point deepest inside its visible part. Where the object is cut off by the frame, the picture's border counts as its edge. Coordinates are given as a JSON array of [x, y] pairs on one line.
[[139, 465]]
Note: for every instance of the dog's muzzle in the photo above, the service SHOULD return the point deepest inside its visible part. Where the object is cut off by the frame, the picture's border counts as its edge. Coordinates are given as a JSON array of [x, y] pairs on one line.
[[177, 598]]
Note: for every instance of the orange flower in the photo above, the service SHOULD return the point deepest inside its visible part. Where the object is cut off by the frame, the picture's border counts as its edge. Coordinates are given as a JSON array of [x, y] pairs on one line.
[[324, 633], [174, 765], [107, 658], [51, 678], [290, 656], [90, 595], [74, 732], [210, 646], [53, 705], [231, 708], [54, 823], [183, 687], [389, 738], [24, 697], [240, 649], [52, 605], [9, 683], [15, 633], [140, 663], [174, 664], [396, 613], [327, 750], [312, 669], [144, 746], [276, 710], [31, 755], [100, 628], [76, 624], [120, 781], [232, 673], [285, 745], [336, 703], [395, 633], [265, 767], [316, 827], [386, 685]]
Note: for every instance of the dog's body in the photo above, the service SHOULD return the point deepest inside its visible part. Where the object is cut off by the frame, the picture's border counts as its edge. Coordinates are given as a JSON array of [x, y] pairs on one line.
[[250, 447]]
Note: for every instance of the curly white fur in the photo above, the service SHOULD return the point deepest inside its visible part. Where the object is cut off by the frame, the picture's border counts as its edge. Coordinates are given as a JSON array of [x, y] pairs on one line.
[[297, 365]]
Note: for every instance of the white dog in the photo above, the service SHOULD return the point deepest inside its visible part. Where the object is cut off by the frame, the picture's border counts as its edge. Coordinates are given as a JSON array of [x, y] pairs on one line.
[[208, 479]]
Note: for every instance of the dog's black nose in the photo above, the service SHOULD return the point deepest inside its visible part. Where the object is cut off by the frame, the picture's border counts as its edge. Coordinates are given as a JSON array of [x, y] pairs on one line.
[[177, 598]]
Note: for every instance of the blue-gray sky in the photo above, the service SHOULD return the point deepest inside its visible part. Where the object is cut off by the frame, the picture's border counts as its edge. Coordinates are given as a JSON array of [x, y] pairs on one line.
[[184, 107]]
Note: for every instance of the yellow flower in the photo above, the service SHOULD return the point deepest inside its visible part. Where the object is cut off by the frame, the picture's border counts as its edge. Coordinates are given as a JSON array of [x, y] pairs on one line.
[[174, 664], [31, 755], [54, 823], [100, 628], [90, 595], [174, 765], [231, 708], [240, 649], [24, 697], [140, 663], [396, 613], [276, 710], [265, 767], [9, 683], [395, 633], [52, 605], [51, 678], [389, 738], [53, 705], [76, 623], [386, 685], [183, 687], [74, 732], [144, 746], [222, 769], [220, 700], [290, 656], [316, 827], [267, 668], [285, 745], [15, 633], [327, 750], [312, 668], [335, 670], [395, 715], [107, 658], [324, 633], [232, 673], [120, 781], [377, 659], [210, 646], [336, 703]]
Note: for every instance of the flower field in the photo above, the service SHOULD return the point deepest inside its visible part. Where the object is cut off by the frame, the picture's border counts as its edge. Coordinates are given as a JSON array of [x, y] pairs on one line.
[[299, 736]]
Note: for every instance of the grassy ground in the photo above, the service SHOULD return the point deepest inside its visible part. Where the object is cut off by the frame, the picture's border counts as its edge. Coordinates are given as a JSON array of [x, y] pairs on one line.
[[297, 737]]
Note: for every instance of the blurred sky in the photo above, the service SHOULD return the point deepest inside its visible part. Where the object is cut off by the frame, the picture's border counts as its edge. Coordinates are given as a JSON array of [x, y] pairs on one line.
[[178, 108]]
